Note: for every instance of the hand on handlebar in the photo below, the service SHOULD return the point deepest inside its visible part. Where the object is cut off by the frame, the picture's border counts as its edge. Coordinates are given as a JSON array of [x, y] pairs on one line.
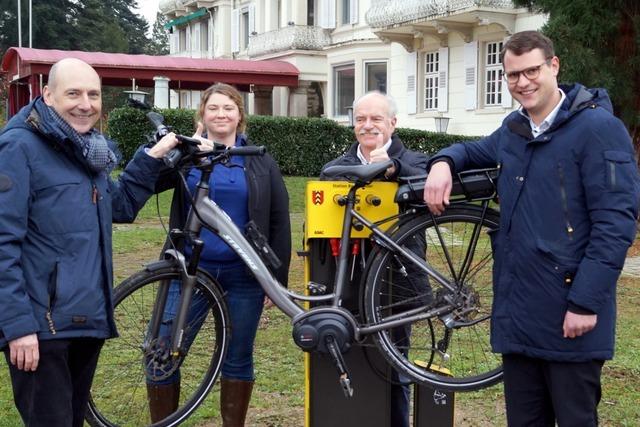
[[437, 189], [162, 147]]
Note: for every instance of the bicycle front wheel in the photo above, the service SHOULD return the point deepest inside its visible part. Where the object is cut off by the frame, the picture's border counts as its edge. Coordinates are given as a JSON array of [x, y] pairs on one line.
[[119, 391], [450, 351]]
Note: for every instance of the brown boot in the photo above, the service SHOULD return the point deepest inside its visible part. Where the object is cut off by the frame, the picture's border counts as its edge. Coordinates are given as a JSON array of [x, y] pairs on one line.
[[234, 401], [163, 400]]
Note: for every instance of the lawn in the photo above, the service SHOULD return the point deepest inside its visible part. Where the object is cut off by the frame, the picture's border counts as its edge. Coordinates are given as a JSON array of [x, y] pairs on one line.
[[279, 391]]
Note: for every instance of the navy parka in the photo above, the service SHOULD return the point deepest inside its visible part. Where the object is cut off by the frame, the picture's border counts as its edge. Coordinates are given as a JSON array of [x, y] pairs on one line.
[[568, 210], [55, 230]]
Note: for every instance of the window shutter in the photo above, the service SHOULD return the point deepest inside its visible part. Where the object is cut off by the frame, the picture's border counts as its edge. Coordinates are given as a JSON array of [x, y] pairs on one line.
[[328, 14], [175, 41], [443, 79], [196, 39], [252, 18], [411, 82], [235, 30], [507, 102], [471, 75], [187, 43], [353, 11]]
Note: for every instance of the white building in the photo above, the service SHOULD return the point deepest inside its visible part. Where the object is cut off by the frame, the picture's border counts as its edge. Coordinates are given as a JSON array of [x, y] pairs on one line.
[[438, 58]]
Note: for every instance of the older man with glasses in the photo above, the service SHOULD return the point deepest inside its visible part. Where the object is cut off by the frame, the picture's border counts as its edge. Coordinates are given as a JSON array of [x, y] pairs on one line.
[[569, 191]]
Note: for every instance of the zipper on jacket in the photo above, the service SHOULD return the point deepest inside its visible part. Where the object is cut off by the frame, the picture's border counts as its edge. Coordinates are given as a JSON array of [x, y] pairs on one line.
[[52, 299], [565, 203]]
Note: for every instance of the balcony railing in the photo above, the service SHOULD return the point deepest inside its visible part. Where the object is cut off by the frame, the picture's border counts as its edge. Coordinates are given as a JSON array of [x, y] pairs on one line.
[[289, 38], [386, 13]]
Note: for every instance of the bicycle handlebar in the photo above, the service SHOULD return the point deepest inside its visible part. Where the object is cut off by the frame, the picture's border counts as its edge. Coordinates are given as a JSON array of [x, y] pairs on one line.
[[190, 146]]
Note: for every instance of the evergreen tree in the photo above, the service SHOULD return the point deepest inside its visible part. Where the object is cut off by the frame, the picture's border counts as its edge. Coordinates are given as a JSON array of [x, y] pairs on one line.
[[598, 44], [91, 25], [159, 44]]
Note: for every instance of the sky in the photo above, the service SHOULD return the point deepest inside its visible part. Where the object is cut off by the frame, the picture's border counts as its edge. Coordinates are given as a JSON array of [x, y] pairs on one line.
[[148, 8]]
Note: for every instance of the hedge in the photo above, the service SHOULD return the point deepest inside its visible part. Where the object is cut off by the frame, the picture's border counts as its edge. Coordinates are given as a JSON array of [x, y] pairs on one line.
[[300, 145]]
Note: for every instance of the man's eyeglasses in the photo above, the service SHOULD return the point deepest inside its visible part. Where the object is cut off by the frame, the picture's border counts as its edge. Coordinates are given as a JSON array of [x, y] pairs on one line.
[[530, 73]]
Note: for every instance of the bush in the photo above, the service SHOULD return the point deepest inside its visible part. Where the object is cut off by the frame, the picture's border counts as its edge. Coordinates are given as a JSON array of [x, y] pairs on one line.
[[300, 145]]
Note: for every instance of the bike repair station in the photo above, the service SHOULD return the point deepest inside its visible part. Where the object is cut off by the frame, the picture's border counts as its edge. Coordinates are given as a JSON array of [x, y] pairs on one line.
[[326, 401]]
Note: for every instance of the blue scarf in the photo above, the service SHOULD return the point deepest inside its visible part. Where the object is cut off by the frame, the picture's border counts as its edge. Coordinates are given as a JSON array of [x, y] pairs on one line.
[[92, 145]]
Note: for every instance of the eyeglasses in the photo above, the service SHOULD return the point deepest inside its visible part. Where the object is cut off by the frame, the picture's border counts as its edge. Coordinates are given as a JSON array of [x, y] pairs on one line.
[[530, 73]]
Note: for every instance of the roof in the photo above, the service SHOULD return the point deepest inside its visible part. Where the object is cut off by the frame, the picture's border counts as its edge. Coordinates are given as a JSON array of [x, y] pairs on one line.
[[117, 69]]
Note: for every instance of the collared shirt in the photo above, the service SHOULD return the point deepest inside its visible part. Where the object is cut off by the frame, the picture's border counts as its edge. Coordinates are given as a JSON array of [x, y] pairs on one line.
[[537, 130], [361, 157]]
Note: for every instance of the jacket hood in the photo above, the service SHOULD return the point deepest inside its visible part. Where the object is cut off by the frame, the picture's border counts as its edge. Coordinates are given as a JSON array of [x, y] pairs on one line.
[[580, 97]]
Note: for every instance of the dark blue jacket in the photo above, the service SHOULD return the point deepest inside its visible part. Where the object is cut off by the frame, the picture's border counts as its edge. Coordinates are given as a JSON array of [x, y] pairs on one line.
[[568, 209], [55, 230]]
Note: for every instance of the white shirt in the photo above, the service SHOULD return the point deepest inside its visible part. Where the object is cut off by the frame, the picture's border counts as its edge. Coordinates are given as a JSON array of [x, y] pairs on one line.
[[363, 160], [536, 130]]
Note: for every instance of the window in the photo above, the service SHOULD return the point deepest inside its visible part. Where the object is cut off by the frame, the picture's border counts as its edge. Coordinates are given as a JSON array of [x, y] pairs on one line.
[[245, 29], [431, 75], [493, 75], [343, 78], [346, 12], [375, 76], [311, 12]]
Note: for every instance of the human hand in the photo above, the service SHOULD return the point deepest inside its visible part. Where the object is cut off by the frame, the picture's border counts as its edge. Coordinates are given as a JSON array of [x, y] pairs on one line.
[[162, 147], [437, 189], [379, 154], [205, 144], [268, 303], [576, 325], [24, 353]]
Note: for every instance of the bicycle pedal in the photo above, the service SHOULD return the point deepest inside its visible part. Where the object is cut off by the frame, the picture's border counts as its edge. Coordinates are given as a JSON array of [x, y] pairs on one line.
[[345, 383]]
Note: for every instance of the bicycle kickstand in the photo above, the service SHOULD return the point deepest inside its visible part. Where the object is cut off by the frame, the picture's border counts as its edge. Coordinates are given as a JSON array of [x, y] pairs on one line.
[[341, 366]]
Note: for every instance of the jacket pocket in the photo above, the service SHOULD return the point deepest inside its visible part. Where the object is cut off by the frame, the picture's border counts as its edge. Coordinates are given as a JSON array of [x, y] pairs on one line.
[[64, 207], [620, 171]]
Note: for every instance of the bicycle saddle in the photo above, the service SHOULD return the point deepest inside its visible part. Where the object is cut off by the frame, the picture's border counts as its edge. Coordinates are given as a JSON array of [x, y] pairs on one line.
[[362, 173]]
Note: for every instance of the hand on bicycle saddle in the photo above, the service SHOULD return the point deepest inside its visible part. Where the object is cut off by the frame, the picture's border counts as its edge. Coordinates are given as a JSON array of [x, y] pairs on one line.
[[437, 189]]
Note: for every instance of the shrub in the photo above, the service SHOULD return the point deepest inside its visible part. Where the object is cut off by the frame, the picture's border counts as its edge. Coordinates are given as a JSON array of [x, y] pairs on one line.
[[300, 145]]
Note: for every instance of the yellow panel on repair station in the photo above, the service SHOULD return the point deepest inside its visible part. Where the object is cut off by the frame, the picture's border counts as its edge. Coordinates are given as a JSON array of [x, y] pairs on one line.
[[324, 216]]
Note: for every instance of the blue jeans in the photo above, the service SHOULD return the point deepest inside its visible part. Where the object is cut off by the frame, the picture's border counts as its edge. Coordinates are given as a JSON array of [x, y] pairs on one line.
[[245, 300]]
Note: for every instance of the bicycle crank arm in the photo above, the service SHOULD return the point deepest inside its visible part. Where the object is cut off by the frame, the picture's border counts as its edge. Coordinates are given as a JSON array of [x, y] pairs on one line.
[[341, 366]]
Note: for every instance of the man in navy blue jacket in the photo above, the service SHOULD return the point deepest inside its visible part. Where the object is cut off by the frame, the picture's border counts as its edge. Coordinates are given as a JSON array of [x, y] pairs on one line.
[[57, 203], [569, 191]]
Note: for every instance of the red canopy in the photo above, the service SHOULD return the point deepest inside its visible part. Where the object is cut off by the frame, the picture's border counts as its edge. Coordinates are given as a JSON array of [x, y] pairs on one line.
[[27, 69]]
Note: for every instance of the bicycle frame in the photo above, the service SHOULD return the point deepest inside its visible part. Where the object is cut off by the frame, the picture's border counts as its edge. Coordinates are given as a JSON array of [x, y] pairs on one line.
[[206, 213]]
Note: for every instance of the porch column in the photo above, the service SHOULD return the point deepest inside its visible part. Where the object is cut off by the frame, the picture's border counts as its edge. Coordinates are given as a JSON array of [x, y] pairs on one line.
[[262, 100], [161, 92], [298, 100]]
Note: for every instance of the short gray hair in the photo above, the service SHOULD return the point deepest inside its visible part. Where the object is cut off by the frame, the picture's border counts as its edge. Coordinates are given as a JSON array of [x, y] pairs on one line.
[[392, 107]]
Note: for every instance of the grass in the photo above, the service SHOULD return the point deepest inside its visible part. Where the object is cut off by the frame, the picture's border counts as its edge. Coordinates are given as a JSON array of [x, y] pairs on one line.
[[279, 391]]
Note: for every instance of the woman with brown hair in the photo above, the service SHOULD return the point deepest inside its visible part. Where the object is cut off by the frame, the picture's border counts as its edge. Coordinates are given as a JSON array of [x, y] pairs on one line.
[[247, 189]]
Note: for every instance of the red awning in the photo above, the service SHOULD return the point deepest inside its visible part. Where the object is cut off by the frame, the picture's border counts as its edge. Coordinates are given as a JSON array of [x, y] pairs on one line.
[[117, 69]]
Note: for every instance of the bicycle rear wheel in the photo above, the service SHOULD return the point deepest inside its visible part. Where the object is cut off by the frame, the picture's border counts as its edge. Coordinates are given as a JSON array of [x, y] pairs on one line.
[[119, 391], [451, 351]]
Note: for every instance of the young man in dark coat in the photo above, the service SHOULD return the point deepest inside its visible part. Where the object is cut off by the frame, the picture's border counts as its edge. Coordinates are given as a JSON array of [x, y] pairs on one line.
[[57, 203], [569, 191]]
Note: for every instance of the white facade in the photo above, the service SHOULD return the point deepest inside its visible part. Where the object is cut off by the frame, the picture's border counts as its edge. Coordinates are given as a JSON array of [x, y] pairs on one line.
[[436, 57]]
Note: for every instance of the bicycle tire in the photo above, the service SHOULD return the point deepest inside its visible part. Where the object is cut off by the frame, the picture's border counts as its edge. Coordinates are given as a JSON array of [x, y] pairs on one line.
[[119, 395], [460, 359]]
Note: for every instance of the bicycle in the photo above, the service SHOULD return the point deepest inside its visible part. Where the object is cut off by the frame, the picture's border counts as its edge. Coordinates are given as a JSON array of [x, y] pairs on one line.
[[447, 313]]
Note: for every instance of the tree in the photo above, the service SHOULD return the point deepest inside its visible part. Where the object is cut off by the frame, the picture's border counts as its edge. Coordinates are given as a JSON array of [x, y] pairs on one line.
[[159, 44], [598, 45], [92, 25]]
